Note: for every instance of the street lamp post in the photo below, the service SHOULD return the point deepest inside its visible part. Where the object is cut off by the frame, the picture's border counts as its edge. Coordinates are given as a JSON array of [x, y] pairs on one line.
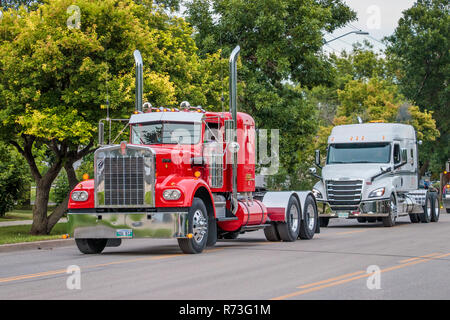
[[355, 31]]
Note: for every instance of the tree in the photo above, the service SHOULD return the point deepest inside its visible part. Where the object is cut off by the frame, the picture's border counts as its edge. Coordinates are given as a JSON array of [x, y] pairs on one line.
[[14, 177], [281, 43], [57, 74], [15, 4], [420, 47]]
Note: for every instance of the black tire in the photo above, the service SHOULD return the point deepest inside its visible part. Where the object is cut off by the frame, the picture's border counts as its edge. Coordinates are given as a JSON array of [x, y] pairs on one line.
[[197, 223], [425, 216], [289, 230], [311, 218], [362, 219], [91, 246], [324, 222], [389, 221], [448, 210], [414, 218], [212, 232], [371, 220], [231, 235], [271, 233], [435, 209]]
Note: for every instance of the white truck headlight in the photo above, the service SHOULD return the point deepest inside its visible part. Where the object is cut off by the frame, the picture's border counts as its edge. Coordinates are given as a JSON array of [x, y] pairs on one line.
[[79, 196], [377, 193], [171, 194], [317, 193]]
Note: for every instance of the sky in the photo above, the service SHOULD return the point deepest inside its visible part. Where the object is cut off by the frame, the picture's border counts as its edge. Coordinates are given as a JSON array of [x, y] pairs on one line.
[[378, 17]]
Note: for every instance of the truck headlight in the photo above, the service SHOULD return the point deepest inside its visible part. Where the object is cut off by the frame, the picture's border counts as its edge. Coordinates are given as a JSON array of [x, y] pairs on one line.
[[377, 193], [317, 193], [171, 194], [79, 196]]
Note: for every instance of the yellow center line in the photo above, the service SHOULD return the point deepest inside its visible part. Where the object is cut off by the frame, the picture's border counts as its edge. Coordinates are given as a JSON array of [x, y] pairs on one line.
[[330, 280], [301, 292], [62, 271], [417, 258]]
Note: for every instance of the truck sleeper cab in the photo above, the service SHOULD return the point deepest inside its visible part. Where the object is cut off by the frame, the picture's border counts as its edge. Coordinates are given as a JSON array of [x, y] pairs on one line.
[[371, 174]]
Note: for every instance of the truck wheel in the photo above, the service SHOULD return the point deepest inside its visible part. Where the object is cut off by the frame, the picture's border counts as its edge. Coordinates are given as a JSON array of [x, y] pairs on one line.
[[271, 233], [324, 221], [389, 221], [91, 246], [308, 224], [289, 230], [414, 218], [362, 219], [425, 216], [212, 233], [197, 226], [448, 210], [435, 210]]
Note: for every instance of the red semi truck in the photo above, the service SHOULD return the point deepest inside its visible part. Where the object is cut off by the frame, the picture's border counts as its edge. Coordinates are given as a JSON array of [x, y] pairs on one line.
[[185, 174]]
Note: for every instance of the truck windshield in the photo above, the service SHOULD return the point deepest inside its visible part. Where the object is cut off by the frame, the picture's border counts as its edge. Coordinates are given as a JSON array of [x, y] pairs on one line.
[[165, 133], [359, 153]]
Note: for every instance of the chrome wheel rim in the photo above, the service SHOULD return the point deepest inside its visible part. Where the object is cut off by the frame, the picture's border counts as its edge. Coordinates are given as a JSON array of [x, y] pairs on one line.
[[199, 226], [294, 218], [436, 209], [310, 214], [428, 208], [393, 207]]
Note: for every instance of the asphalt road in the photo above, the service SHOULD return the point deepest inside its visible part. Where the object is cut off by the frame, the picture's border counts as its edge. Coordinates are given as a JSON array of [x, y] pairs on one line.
[[413, 262]]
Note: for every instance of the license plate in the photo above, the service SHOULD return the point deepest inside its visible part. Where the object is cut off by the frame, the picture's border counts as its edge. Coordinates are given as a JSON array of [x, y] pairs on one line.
[[124, 233], [343, 214]]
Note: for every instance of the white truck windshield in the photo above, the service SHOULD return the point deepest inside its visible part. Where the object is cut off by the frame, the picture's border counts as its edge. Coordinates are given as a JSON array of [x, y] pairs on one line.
[[359, 153], [166, 133]]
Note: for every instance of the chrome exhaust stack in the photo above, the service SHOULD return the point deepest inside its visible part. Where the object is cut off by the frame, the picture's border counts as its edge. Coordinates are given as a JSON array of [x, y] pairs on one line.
[[139, 81], [233, 111]]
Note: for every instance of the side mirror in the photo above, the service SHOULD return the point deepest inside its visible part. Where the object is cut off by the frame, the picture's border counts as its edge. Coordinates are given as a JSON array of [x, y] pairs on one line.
[[317, 158], [101, 133], [312, 170]]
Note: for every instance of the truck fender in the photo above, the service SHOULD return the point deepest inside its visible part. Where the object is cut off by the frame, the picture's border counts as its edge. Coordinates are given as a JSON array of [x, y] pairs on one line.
[[276, 203], [190, 186]]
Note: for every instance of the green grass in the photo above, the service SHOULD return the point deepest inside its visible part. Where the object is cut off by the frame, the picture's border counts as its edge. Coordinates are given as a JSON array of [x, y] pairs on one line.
[[16, 234], [17, 215]]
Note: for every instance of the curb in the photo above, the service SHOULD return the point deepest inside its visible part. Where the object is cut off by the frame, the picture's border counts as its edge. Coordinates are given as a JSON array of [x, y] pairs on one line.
[[36, 245]]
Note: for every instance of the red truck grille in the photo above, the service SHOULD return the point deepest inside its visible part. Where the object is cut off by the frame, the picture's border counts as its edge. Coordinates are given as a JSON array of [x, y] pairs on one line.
[[124, 181]]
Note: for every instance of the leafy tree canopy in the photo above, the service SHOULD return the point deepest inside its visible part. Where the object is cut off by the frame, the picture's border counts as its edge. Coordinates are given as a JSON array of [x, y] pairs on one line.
[[60, 64], [420, 48]]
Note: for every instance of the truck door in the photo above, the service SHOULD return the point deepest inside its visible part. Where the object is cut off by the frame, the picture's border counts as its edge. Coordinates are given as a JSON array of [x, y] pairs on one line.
[[405, 175]]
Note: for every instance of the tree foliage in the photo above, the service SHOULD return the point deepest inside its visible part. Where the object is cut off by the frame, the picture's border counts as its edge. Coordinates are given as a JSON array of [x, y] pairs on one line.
[[420, 48], [365, 87], [56, 76], [14, 177]]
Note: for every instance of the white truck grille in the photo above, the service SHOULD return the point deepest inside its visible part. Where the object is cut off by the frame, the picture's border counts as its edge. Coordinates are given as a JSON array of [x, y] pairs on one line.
[[344, 194]]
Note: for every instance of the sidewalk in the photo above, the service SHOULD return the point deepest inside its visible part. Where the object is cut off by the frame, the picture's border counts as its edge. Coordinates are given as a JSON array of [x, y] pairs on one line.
[[22, 222]]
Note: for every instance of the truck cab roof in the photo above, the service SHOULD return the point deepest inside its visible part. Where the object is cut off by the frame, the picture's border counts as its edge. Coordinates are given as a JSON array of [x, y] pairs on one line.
[[371, 132]]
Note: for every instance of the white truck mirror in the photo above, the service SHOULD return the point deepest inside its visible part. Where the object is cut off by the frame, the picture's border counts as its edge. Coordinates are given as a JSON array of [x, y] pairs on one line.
[[317, 158]]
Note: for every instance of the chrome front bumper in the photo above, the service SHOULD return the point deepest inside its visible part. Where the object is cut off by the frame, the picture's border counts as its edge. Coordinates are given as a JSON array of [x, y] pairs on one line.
[[111, 225], [375, 208]]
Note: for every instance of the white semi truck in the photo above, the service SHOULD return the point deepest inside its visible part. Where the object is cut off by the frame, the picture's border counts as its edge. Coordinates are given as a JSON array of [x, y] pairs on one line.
[[371, 174]]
